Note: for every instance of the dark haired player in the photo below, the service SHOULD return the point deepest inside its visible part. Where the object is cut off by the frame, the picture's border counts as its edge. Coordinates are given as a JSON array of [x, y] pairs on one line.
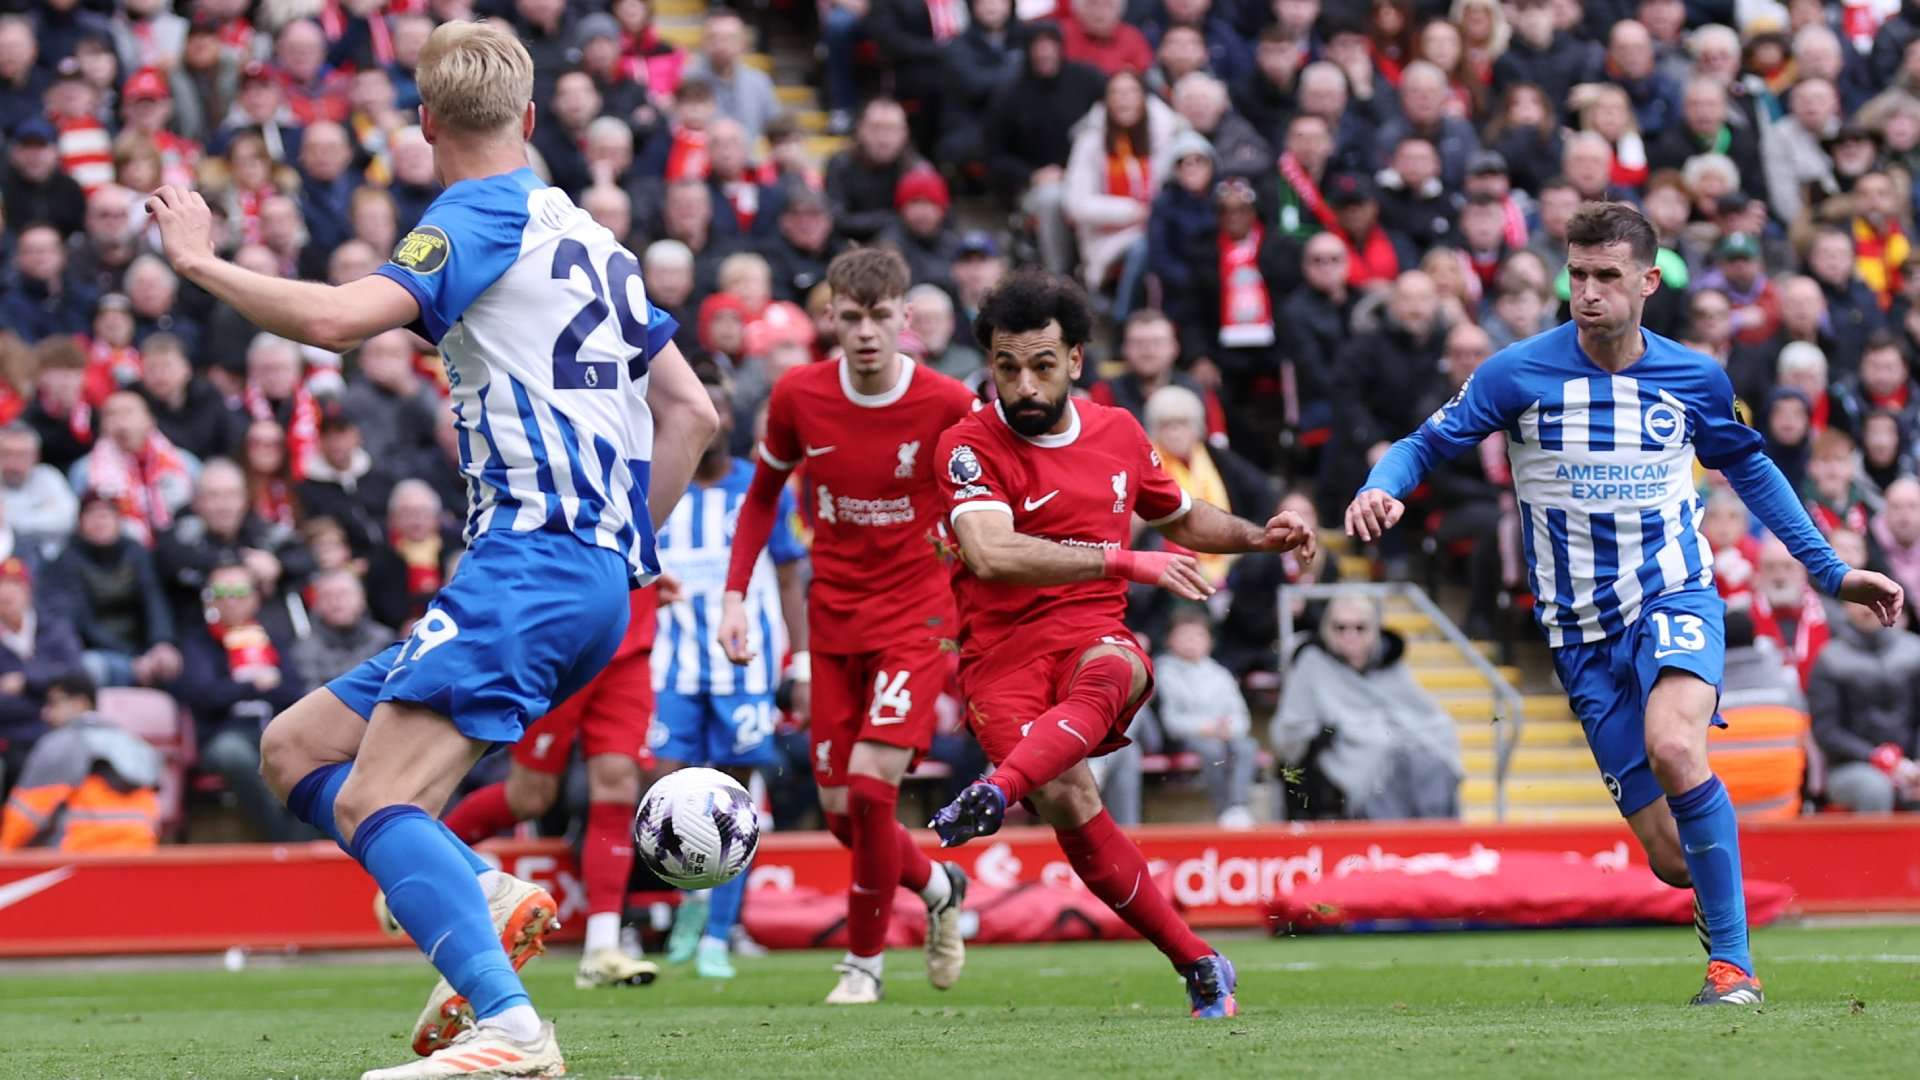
[[1603, 422], [1043, 491], [878, 610]]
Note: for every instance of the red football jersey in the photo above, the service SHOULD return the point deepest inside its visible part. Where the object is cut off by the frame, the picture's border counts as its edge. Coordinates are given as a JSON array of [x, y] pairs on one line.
[[866, 463], [1081, 487]]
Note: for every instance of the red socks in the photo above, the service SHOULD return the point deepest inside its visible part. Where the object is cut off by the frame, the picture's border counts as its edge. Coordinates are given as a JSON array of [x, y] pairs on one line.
[[876, 863], [1064, 735], [1113, 869], [482, 814], [606, 856], [915, 868]]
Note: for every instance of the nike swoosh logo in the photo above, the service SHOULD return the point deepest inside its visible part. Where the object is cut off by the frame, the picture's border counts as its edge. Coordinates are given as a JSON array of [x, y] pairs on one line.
[[816, 451], [1064, 726], [1671, 652], [15, 891], [1035, 504], [394, 670], [1552, 417]]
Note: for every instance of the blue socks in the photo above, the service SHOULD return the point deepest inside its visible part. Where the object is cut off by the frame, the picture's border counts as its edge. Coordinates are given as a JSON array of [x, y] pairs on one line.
[[723, 906], [435, 896], [311, 800], [1709, 835]]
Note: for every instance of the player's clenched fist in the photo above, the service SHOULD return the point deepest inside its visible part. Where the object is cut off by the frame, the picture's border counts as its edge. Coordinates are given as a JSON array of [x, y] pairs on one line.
[[1372, 513], [1178, 574], [186, 225], [1288, 531], [733, 629]]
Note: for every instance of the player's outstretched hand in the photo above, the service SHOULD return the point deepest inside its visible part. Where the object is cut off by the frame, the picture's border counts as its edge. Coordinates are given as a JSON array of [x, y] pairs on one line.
[[733, 629], [186, 225], [1288, 531], [1372, 513], [1176, 573], [1877, 591]]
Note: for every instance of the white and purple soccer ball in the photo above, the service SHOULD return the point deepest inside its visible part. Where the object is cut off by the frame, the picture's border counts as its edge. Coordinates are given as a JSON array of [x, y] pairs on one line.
[[696, 828]]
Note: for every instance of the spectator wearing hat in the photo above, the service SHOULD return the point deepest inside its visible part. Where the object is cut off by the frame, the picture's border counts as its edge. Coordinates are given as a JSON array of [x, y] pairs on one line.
[[1182, 230], [922, 235], [1704, 126], [185, 407], [38, 646], [41, 299], [1797, 164], [146, 102], [1375, 253], [127, 628], [863, 179], [976, 67], [624, 89], [35, 189], [99, 255], [344, 483], [137, 468], [801, 246], [23, 82], [977, 267], [39, 504], [1738, 273]]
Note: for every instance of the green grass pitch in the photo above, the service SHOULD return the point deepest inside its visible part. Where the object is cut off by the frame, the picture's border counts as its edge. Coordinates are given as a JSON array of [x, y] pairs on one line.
[[1844, 1002]]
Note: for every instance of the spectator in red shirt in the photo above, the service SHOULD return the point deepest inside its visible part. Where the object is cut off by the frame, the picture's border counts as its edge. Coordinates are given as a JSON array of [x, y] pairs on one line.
[[1096, 36], [1787, 609], [147, 104], [1736, 551]]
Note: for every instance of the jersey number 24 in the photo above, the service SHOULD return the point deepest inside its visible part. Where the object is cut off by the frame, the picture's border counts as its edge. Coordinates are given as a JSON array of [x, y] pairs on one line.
[[569, 371]]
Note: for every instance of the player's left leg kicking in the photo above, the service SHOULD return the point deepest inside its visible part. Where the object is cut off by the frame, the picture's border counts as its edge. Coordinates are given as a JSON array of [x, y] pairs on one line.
[[434, 703], [1646, 697], [732, 733], [1040, 722]]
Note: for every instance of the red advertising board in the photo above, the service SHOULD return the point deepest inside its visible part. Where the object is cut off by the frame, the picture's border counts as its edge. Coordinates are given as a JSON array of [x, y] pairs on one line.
[[210, 897]]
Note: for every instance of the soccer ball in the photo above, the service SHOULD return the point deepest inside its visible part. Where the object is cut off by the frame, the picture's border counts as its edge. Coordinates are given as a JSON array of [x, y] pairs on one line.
[[696, 828]]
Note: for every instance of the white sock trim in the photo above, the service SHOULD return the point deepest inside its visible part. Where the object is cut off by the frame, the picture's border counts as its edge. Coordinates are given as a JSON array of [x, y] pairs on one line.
[[518, 1022], [872, 965], [603, 931], [938, 887]]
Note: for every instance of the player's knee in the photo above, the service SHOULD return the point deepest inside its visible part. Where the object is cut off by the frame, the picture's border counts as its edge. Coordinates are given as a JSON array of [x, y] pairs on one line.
[[285, 756], [1678, 757], [356, 802], [612, 778], [531, 794], [1070, 800]]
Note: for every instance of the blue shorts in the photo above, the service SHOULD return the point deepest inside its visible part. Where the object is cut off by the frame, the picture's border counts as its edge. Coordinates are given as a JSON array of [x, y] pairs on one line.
[[713, 729], [528, 618], [1608, 681]]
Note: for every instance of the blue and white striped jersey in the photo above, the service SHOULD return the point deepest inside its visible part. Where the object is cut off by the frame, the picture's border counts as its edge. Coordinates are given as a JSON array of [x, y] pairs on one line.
[[696, 543], [1603, 473], [546, 334]]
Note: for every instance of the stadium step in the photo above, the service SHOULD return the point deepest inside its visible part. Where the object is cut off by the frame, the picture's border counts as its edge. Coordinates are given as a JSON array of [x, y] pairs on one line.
[[1528, 791], [1546, 734], [1543, 815], [1355, 567], [823, 147], [1439, 653], [795, 96], [1531, 760], [1533, 707], [1459, 676]]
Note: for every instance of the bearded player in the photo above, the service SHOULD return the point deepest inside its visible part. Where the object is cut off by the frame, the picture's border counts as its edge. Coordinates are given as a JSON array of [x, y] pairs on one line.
[[1604, 421], [1043, 491], [879, 611]]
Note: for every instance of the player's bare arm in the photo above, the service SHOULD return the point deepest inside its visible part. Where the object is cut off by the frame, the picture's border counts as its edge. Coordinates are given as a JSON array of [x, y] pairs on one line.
[[1208, 528], [683, 424], [332, 317], [994, 551]]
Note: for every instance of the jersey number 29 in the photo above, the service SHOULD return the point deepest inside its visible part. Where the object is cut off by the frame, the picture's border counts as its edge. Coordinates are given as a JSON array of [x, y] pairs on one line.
[[569, 371]]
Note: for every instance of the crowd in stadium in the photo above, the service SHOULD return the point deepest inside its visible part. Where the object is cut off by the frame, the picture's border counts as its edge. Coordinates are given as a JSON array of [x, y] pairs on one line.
[[1304, 225]]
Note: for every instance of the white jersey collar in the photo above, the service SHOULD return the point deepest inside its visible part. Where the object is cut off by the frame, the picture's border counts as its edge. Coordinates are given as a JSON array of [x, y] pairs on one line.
[[885, 397], [1048, 441]]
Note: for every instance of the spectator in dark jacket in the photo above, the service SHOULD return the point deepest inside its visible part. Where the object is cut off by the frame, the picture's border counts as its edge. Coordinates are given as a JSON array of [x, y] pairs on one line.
[[1265, 95], [64, 423], [1318, 318], [1551, 59], [1853, 312], [35, 188], [1703, 127], [975, 67], [343, 634], [386, 396], [37, 646], [801, 247], [862, 179], [1424, 95], [327, 183], [923, 235], [1381, 379], [1865, 716], [563, 132], [1149, 347], [235, 677], [186, 409], [1228, 56], [407, 569], [343, 481], [127, 629], [912, 45], [40, 298], [222, 530], [23, 80], [1414, 200], [1029, 137], [1182, 229], [1470, 503]]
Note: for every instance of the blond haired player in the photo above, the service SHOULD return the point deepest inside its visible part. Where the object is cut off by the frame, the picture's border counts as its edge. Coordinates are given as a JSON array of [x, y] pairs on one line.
[[579, 424]]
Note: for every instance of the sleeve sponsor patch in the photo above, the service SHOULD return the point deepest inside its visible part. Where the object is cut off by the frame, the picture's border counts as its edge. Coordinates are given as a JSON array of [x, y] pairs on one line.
[[423, 251], [963, 468]]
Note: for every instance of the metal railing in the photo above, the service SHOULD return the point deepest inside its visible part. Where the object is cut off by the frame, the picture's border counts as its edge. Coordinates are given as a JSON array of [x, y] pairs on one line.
[[1508, 709]]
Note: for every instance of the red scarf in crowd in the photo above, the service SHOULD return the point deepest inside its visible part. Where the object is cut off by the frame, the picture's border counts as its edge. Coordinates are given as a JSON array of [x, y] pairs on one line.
[[1308, 193], [1128, 173], [1372, 262], [249, 649], [422, 558], [303, 426], [273, 501], [1853, 517], [1734, 567], [1516, 223], [1879, 256], [1809, 634], [687, 159], [948, 18], [108, 369], [86, 152], [1246, 308], [133, 482], [12, 402], [334, 20]]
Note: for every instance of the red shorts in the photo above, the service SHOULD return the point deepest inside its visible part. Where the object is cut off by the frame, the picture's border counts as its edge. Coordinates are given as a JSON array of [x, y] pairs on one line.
[[1005, 694], [610, 715], [887, 696]]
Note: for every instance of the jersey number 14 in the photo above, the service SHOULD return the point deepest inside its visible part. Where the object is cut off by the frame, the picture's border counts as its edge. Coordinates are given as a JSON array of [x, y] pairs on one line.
[[569, 371]]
